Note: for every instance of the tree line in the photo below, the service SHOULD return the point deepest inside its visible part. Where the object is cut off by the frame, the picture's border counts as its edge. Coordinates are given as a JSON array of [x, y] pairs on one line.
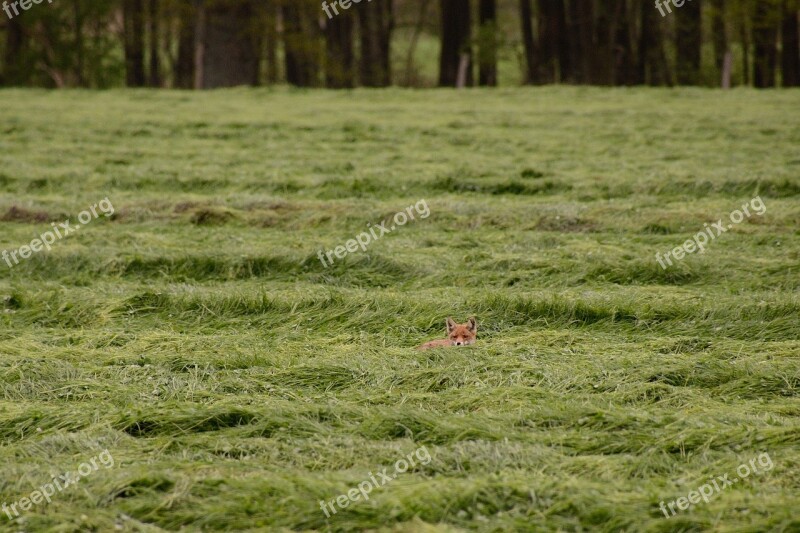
[[218, 43]]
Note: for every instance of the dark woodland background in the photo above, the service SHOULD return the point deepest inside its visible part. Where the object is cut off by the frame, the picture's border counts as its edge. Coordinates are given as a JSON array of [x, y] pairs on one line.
[[218, 43]]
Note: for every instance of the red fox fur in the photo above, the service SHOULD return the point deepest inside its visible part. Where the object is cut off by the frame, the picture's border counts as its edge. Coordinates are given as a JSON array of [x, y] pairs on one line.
[[457, 335]]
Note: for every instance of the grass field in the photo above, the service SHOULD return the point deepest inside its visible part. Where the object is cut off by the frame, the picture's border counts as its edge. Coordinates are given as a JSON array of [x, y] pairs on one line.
[[237, 381]]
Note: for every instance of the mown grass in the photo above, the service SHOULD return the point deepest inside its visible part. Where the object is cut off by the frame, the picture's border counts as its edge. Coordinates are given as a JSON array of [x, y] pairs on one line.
[[237, 381]]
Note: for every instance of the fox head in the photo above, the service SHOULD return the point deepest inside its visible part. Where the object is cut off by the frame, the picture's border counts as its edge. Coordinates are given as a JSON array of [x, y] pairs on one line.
[[461, 334]]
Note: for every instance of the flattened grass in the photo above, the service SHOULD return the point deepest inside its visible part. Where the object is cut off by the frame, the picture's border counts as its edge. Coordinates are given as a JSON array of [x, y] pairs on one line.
[[237, 381]]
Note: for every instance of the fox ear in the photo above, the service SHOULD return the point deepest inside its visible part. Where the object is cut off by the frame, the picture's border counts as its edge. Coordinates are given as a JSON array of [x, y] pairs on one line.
[[472, 325], [451, 324]]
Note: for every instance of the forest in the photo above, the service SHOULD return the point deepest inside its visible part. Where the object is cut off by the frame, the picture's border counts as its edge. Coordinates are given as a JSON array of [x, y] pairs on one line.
[[206, 44]]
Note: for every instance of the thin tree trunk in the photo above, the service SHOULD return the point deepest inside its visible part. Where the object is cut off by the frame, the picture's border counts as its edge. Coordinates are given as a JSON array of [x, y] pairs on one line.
[[624, 62], [487, 60], [133, 12], [727, 68], [602, 52], [575, 50], [689, 41], [531, 63], [790, 44], [584, 22], [79, 44], [718, 32], [199, 44], [271, 37], [155, 64], [292, 41], [563, 53], [547, 16], [463, 65], [387, 27], [554, 58], [652, 62], [764, 39], [745, 46], [301, 41], [646, 45], [184, 65], [13, 74], [46, 34], [375, 26], [455, 24], [340, 60]]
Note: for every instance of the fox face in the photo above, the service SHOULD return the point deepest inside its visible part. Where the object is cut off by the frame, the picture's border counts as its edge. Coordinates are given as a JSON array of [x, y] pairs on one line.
[[461, 334]]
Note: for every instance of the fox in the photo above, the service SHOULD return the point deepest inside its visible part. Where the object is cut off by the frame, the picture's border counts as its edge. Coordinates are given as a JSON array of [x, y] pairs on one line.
[[457, 335]]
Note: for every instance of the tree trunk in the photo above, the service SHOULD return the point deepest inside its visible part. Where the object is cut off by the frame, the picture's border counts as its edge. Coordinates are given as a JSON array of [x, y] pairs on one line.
[[652, 62], [199, 43], [455, 24], [531, 63], [340, 59], [133, 13], [574, 43], [231, 55], [487, 59], [689, 41], [184, 65], [745, 35], [582, 31], [554, 52], [719, 34], [386, 28], [301, 42], [727, 68], [13, 73], [565, 68], [376, 22], [271, 38], [790, 45], [79, 44], [646, 45], [152, 26], [293, 50], [624, 62], [602, 51], [547, 16], [765, 34]]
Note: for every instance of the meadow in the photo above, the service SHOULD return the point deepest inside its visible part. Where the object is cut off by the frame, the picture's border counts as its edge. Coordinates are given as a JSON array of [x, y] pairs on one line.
[[196, 336]]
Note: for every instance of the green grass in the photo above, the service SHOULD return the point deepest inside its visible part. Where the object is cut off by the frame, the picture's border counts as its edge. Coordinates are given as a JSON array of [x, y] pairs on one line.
[[237, 381]]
